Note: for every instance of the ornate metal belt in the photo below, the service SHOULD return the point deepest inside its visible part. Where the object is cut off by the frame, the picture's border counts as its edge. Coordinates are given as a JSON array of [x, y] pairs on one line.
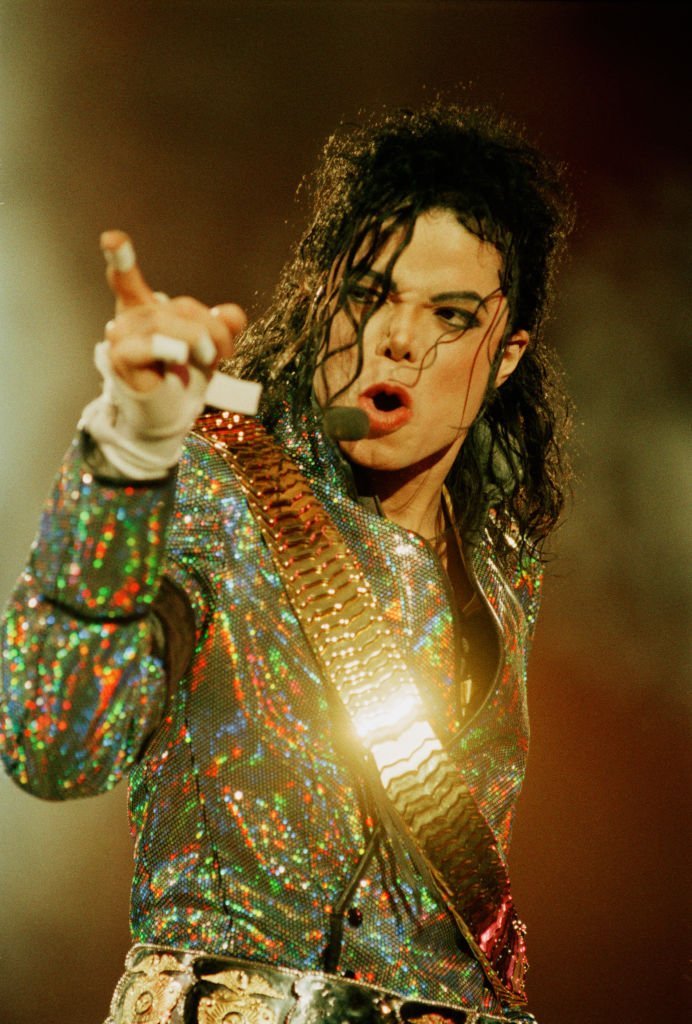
[[422, 792], [172, 986]]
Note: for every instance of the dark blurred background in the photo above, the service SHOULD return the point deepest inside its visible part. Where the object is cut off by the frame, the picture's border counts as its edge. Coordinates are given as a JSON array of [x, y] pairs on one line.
[[191, 125]]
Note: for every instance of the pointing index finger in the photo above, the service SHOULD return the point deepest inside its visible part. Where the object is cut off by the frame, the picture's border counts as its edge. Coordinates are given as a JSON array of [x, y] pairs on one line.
[[122, 272]]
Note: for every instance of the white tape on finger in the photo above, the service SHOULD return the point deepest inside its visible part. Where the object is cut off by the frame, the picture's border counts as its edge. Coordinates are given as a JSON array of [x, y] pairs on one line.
[[121, 259], [233, 394], [169, 350]]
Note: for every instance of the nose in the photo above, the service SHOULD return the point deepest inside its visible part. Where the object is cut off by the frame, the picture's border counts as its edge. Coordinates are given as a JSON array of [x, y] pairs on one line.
[[399, 329]]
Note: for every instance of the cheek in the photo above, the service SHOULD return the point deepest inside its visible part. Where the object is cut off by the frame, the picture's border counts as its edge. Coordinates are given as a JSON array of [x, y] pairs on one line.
[[466, 382], [340, 333], [340, 361]]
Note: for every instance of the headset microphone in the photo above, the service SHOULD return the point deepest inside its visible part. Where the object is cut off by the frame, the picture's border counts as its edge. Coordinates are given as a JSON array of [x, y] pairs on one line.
[[346, 423]]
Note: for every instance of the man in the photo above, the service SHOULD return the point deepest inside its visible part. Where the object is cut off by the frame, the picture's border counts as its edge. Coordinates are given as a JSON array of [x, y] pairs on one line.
[[304, 637]]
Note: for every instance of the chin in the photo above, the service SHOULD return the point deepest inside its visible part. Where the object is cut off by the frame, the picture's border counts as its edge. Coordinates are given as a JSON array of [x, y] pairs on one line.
[[372, 454]]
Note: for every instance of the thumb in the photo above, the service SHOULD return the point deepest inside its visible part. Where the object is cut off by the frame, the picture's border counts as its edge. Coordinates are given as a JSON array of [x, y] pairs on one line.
[[122, 272]]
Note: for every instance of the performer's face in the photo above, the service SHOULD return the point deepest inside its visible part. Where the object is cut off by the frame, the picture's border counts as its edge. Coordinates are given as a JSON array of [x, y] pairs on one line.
[[427, 350]]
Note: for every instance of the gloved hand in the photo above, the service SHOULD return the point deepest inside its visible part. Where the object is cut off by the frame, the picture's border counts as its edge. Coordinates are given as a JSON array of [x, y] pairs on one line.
[[156, 362]]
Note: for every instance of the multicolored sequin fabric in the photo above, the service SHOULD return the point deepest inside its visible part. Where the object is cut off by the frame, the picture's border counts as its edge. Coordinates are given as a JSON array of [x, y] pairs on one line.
[[250, 815]]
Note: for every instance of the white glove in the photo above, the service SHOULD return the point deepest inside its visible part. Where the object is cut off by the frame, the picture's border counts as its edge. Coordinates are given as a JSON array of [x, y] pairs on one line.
[[141, 434]]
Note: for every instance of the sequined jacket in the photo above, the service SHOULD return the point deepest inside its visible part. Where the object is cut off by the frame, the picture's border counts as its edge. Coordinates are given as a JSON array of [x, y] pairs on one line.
[[251, 822]]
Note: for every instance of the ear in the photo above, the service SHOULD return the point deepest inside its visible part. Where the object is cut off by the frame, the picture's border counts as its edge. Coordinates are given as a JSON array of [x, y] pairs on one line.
[[512, 353]]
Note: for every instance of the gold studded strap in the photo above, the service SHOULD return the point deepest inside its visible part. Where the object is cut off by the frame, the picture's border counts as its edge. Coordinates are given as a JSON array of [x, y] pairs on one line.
[[425, 793]]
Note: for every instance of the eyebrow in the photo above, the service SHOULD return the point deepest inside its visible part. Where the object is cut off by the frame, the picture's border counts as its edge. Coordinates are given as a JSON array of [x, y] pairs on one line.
[[467, 296]]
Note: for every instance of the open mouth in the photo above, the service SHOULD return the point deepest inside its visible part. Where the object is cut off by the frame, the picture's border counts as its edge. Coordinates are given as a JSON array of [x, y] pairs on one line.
[[386, 401], [388, 407]]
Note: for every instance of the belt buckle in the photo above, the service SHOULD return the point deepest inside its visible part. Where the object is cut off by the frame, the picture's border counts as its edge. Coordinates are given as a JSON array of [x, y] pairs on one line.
[[239, 996]]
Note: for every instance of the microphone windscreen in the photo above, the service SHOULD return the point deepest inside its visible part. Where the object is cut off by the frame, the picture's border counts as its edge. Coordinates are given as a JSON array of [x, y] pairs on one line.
[[346, 423]]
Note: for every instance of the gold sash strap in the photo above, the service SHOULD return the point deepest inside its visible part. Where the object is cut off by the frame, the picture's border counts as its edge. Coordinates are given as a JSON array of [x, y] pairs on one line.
[[427, 796]]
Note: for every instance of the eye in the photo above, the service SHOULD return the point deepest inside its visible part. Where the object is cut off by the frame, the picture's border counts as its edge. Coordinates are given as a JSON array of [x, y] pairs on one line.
[[363, 295], [457, 317]]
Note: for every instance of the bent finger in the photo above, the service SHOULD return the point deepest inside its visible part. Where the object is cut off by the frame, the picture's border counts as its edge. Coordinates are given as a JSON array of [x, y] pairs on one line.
[[234, 320], [143, 362], [199, 341]]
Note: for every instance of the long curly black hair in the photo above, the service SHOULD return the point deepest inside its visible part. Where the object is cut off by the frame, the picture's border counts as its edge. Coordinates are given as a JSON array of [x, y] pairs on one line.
[[380, 175]]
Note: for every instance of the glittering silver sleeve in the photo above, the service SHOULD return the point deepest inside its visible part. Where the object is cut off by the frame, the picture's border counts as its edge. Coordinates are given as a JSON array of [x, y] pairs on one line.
[[82, 667]]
